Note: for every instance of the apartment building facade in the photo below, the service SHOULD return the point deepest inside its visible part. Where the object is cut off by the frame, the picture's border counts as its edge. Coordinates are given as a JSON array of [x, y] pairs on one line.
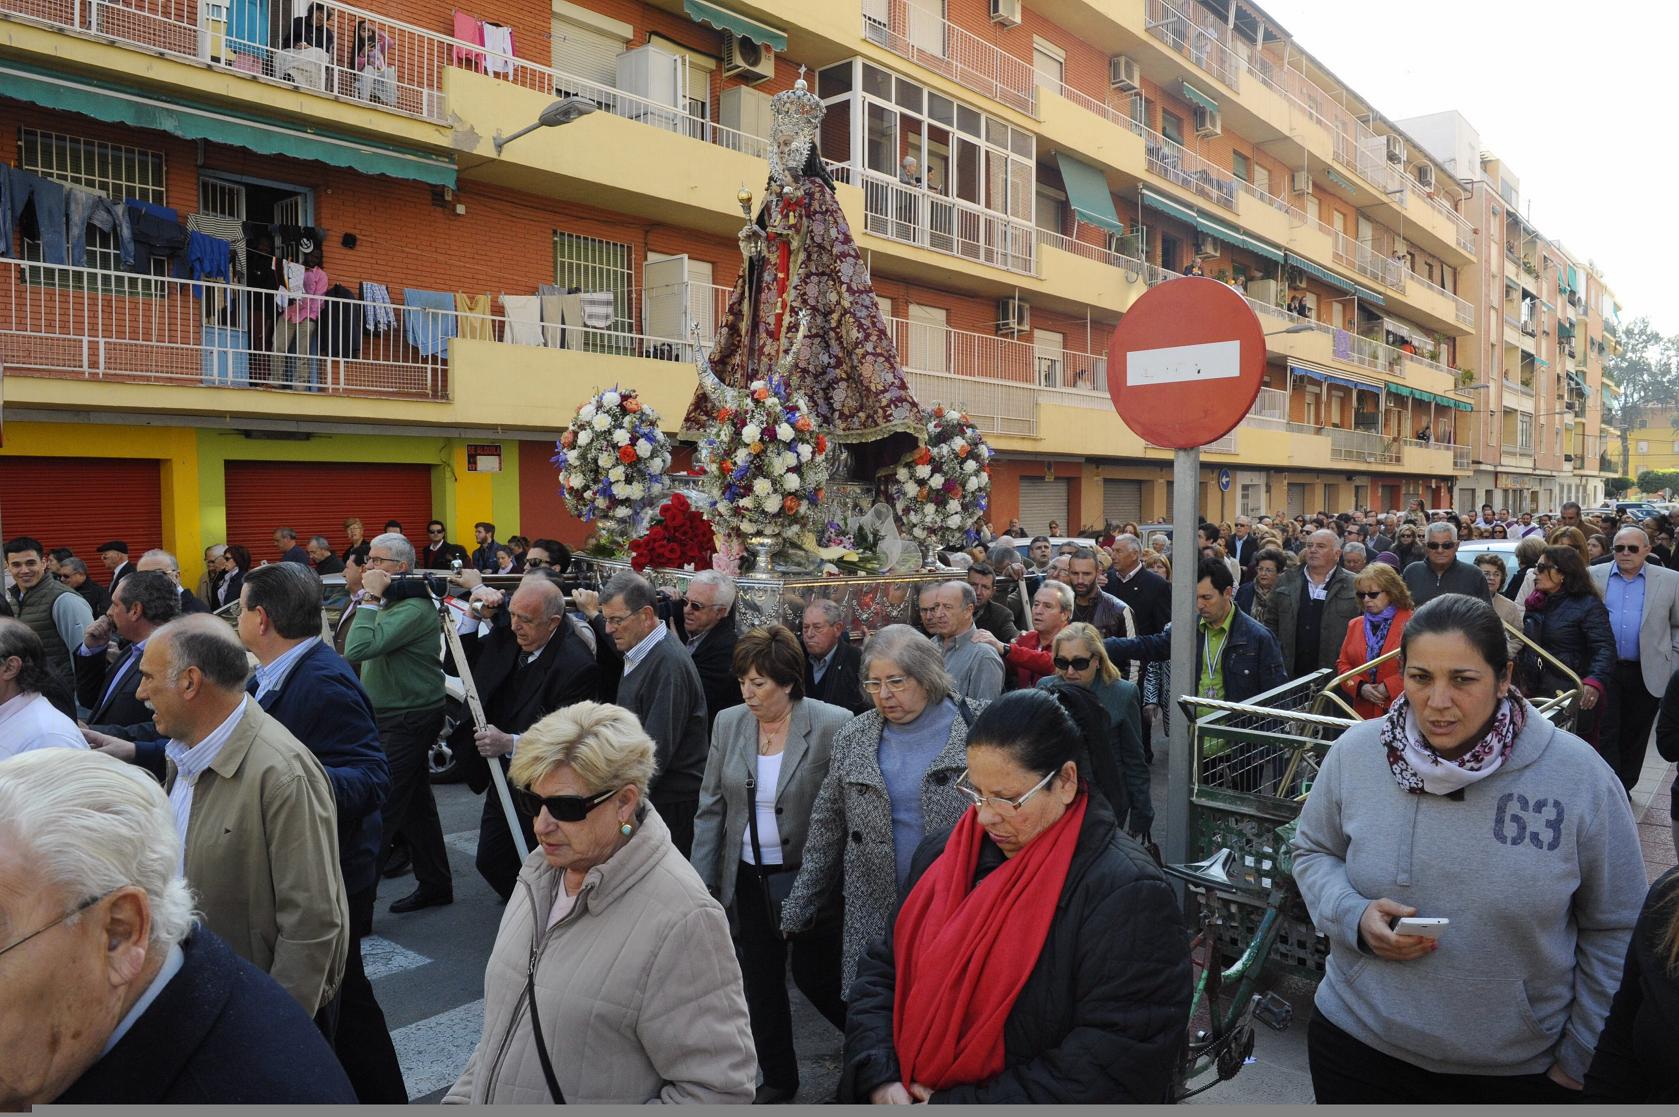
[[1015, 174]]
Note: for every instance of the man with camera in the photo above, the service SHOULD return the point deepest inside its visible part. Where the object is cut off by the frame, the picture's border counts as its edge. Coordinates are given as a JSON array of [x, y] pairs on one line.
[[394, 640]]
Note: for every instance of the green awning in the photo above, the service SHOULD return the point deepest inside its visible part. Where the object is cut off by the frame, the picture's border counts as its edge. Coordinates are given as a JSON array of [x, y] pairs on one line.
[[1565, 330], [116, 104], [1573, 278], [1324, 274], [725, 20], [1168, 206], [1196, 97], [1087, 193], [1369, 296], [1338, 179], [1232, 236], [1399, 390]]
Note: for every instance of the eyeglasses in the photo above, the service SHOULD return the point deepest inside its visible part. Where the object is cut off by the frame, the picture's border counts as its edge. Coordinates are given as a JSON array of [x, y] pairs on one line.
[[1079, 664], [534, 563], [434, 531], [615, 622], [561, 808], [71, 914], [893, 685], [696, 605], [1544, 567], [1001, 806], [1627, 548], [1442, 546], [1366, 595]]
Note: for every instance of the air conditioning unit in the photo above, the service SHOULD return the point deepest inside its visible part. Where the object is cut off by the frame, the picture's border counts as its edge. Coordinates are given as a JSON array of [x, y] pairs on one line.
[[1123, 73], [747, 59], [1014, 316], [1300, 182], [1396, 149], [1006, 12], [1208, 122], [1425, 175], [1205, 247]]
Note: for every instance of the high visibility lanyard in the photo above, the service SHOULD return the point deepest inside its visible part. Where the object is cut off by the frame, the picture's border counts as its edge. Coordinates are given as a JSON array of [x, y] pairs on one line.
[[1211, 657]]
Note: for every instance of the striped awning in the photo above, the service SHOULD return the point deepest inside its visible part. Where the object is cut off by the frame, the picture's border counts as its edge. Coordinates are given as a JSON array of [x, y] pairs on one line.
[[1321, 273], [1196, 97], [1214, 228], [1087, 194], [1369, 296], [1168, 206], [721, 18]]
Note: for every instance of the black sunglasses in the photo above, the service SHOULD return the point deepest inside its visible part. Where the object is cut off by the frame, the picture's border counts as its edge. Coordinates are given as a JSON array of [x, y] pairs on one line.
[[1441, 546], [1544, 567], [534, 563], [1627, 548], [1368, 594], [561, 808], [1079, 664]]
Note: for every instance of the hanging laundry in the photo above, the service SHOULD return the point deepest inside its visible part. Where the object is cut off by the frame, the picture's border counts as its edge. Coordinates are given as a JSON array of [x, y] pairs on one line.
[[524, 319], [225, 228], [598, 310], [474, 314], [428, 320], [553, 317], [297, 240], [85, 207], [207, 258], [44, 199], [291, 284], [498, 40], [5, 210], [341, 323], [379, 316], [157, 234], [469, 30]]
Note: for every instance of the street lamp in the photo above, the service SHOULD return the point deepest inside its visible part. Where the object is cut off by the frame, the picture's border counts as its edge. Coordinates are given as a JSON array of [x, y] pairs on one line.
[[1297, 328], [563, 111]]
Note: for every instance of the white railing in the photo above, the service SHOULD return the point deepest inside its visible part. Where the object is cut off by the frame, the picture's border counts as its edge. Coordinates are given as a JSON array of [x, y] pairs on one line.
[[1362, 446], [927, 39], [1151, 273], [915, 215], [1269, 410], [928, 348], [1129, 117], [1461, 228], [1182, 167], [1364, 259], [1202, 45], [1461, 456], [1464, 310]]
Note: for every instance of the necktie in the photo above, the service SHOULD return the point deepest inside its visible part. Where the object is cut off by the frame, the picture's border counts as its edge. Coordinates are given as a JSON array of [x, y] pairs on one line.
[[123, 665]]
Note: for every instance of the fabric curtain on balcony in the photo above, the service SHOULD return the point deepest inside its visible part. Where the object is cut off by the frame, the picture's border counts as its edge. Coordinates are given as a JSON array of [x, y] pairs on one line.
[[1169, 207], [115, 104], [721, 18], [1087, 193], [1324, 274]]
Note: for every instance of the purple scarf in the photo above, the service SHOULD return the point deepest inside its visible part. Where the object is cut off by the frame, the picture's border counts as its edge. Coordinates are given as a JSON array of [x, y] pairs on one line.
[[1376, 627]]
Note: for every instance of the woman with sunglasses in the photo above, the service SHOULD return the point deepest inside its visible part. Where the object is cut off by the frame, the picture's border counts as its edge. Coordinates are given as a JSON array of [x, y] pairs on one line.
[[612, 978], [1463, 803], [768, 759], [1038, 955], [891, 782], [1566, 616], [1081, 661], [1407, 546], [1377, 631]]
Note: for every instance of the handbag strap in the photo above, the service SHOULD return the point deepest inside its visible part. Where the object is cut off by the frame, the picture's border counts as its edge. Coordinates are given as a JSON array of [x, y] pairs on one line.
[[752, 821], [555, 1094]]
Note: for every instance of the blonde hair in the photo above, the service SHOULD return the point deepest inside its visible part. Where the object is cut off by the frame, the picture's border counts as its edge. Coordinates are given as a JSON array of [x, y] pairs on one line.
[[1079, 630], [605, 745], [1381, 576]]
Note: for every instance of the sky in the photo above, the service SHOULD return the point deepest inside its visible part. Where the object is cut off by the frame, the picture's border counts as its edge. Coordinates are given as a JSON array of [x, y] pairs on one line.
[[1568, 95]]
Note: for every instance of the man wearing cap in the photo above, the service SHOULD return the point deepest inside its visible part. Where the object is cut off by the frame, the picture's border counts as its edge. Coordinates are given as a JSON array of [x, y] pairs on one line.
[[115, 554]]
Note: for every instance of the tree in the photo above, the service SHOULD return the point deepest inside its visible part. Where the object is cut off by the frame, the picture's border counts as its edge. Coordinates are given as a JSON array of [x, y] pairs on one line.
[[1648, 374], [1652, 481], [1613, 487]]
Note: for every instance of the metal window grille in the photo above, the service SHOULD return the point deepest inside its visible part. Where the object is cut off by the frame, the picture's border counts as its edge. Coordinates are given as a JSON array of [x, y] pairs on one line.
[[592, 265], [117, 171]]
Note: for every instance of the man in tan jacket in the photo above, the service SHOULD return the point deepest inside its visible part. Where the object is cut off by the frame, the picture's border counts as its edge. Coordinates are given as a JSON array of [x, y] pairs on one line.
[[255, 812]]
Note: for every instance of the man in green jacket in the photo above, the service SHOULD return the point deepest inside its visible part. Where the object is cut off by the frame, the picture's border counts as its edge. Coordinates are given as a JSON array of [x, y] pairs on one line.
[[395, 640]]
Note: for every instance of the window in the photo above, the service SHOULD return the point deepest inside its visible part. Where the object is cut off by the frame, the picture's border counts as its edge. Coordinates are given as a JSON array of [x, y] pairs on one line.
[[593, 266], [1171, 126], [1049, 62], [1241, 167], [1643, 446], [1262, 178], [1169, 251], [1052, 206], [1313, 208], [116, 171], [929, 338], [1048, 348]]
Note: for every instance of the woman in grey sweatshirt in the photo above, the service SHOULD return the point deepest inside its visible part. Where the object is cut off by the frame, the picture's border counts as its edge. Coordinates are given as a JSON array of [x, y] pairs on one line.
[[1464, 803]]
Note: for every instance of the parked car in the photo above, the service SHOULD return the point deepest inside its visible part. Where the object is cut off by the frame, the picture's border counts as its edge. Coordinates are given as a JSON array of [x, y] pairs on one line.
[[1505, 548]]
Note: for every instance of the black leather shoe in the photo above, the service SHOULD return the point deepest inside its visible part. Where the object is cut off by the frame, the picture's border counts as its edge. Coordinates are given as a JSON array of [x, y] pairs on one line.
[[774, 1095], [400, 865], [421, 898]]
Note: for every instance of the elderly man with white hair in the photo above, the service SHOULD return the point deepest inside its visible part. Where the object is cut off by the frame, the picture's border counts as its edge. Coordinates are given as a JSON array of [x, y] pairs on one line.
[[1313, 605], [111, 994], [161, 560], [1441, 571], [705, 625]]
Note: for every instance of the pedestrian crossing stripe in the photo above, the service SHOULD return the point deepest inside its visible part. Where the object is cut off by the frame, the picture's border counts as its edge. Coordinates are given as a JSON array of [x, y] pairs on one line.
[[381, 957], [433, 1052]]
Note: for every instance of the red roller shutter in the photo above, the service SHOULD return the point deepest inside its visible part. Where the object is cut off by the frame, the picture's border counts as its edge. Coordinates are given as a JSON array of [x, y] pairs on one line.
[[315, 498], [80, 503]]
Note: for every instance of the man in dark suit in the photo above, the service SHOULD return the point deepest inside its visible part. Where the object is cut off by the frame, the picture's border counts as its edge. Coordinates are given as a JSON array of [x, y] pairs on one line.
[[117, 998], [321, 554], [989, 613], [833, 664], [1150, 598], [524, 671], [115, 554], [160, 560], [309, 688], [144, 601], [73, 573], [1242, 546], [439, 553], [706, 625], [285, 541]]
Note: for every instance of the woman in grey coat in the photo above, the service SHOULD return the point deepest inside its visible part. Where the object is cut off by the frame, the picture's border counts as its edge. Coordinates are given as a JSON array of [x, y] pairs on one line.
[[768, 759], [891, 781]]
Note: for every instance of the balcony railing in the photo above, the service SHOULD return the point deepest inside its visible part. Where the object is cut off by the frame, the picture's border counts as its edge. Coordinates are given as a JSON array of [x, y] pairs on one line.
[[1362, 446], [403, 75], [1150, 273], [1462, 230], [1202, 45], [928, 348], [934, 43], [1464, 310], [1129, 116], [1364, 259], [914, 215], [1182, 167]]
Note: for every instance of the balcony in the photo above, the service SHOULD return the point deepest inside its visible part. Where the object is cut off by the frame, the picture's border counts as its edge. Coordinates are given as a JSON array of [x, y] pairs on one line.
[[1462, 309], [1362, 446], [1189, 171], [409, 82], [936, 44], [1203, 44], [916, 216]]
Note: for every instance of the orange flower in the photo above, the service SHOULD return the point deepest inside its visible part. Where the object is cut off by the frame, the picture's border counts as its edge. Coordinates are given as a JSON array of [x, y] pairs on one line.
[[761, 394], [821, 444], [757, 447], [725, 414], [922, 495], [790, 505], [923, 456], [963, 452], [821, 495], [626, 454], [803, 424], [632, 405]]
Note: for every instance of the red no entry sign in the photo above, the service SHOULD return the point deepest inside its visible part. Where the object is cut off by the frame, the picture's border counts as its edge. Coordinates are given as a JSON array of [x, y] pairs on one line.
[[1186, 363]]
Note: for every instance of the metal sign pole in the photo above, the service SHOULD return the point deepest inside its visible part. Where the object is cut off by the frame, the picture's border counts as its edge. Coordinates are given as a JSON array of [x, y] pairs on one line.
[[476, 707], [1186, 556]]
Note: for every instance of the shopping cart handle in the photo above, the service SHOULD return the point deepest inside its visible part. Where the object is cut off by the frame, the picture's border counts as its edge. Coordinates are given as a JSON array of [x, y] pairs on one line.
[[1214, 872]]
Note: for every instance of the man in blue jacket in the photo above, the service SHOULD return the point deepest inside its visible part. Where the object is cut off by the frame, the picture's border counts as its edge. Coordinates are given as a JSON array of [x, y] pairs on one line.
[[1236, 657], [313, 692]]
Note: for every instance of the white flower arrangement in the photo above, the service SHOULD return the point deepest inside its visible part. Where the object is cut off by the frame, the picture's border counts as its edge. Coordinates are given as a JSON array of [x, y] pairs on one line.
[[941, 492], [764, 463], [613, 461]]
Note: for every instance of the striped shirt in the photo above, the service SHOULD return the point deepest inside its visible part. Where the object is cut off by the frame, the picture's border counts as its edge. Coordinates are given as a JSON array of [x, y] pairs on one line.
[[635, 655], [190, 762]]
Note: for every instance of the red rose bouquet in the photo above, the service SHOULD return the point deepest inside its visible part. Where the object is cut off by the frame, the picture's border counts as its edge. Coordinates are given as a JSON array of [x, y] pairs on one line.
[[682, 537]]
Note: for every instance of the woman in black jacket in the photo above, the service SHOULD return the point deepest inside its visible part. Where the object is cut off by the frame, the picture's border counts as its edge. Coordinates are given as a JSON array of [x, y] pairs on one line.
[[1043, 954], [235, 564], [1407, 546], [1637, 1060], [1566, 616]]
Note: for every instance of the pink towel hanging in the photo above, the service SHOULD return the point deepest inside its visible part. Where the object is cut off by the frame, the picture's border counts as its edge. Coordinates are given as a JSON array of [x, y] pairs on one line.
[[469, 29]]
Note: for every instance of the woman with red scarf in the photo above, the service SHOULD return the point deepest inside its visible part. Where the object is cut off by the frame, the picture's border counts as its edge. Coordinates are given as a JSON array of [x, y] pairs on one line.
[[1038, 955]]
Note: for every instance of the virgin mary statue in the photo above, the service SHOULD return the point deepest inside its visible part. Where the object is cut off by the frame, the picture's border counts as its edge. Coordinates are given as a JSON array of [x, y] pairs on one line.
[[803, 306]]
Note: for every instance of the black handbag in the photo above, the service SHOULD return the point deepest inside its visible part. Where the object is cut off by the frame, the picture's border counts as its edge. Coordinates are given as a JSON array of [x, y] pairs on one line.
[[778, 885]]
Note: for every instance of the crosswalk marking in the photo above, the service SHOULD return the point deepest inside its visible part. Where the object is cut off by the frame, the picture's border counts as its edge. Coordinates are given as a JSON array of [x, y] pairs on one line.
[[381, 957], [434, 1051]]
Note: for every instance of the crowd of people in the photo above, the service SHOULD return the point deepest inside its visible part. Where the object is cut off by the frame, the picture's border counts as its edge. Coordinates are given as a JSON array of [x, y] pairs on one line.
[[942, 828]]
